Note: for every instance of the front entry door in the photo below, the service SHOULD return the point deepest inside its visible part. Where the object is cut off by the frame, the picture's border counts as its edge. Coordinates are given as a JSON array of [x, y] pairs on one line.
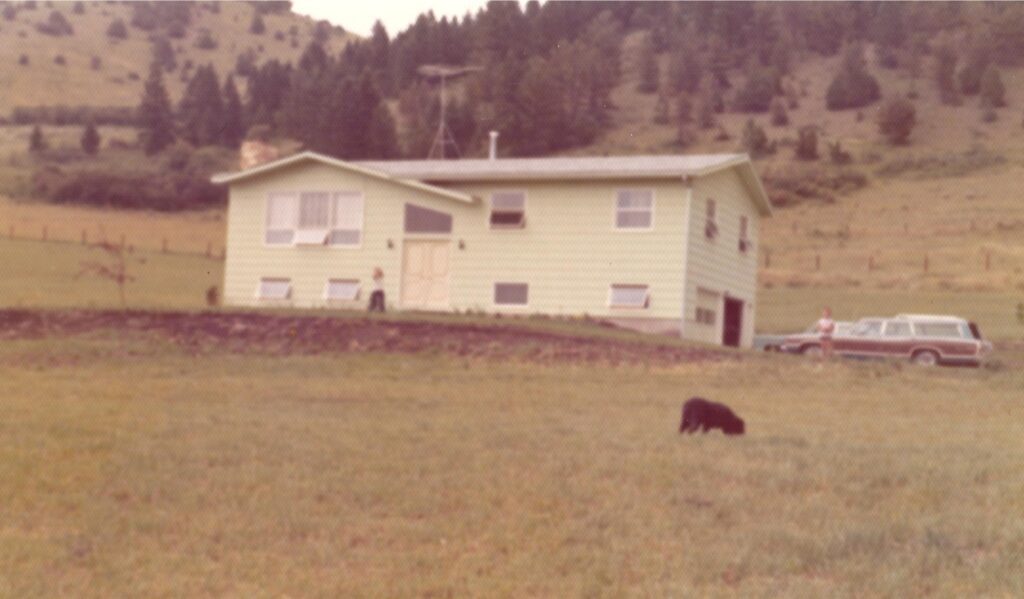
[[425, 268], [732, 329]]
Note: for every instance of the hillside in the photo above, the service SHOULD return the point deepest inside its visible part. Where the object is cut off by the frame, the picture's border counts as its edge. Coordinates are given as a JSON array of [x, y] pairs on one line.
[[124, 62]]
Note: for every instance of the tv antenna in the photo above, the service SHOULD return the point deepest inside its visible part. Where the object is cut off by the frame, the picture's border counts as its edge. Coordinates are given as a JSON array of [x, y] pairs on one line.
[[444, 138]]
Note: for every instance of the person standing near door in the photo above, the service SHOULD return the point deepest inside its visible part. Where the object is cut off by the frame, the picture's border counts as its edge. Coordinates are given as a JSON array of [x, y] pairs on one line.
[[826, 327], [377, 296]]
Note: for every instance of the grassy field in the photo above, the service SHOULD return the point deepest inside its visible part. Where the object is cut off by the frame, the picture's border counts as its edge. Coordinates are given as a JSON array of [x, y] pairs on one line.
[[128, 467]]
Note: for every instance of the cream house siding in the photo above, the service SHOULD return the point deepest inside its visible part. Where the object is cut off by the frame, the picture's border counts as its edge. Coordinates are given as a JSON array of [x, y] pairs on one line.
[[717, 266], [310, 267], [569, 252]]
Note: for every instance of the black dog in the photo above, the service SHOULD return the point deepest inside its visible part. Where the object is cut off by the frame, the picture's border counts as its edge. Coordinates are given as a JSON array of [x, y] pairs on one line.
[[703, 414]]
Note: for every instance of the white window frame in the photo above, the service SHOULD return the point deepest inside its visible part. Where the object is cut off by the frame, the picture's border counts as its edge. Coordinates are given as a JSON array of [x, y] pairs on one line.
[[710, 219], [491, 211], [716, 297], [355, 297], [288, 296], [616, 209], [644, 306], [494, 295], [334, 198], [293, 199], [335, 202]]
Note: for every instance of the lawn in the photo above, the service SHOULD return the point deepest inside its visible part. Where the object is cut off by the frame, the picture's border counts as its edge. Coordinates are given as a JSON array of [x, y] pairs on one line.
[[132, 467]]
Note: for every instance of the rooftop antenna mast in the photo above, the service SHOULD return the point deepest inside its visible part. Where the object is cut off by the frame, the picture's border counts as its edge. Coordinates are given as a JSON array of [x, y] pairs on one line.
[[443, 138]]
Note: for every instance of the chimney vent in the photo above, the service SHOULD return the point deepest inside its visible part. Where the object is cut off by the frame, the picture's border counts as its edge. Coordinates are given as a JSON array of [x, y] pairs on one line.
[[493, 154]]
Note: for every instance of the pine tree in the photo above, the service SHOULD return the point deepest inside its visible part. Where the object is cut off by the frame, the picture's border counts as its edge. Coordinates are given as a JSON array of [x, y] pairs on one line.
[[37, 141], [778, 111], [201, 110], [234, 122], [648, 67], [256, 27], [896, 119], [156, 120], [992, 89], [945, 71], [382, 134], [90, 139], [853, 86]]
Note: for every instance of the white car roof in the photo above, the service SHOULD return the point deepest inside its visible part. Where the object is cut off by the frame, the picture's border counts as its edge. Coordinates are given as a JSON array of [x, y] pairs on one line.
[[931, 317]]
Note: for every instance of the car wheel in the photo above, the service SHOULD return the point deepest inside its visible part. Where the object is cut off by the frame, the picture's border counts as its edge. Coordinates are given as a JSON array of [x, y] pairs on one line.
[[925, 358], [811, 351]]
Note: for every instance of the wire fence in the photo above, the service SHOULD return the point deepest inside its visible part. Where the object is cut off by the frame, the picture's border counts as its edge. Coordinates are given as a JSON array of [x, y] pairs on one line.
[[162, 245]]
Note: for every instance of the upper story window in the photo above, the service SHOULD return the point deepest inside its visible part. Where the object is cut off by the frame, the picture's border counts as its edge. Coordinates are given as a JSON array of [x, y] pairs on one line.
[[744, 243], [508, 210], [710, 224], [314, 218], [424, 220], [634, 209]]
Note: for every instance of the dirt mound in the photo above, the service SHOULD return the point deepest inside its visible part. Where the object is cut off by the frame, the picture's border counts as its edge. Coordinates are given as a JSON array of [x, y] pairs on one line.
[[249, 332]]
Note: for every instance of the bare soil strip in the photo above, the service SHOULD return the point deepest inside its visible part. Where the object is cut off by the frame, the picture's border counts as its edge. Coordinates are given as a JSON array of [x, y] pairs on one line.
[[248, 332]]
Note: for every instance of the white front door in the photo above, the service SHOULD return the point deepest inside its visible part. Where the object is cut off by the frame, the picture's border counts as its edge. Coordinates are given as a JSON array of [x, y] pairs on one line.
[[425, 270]]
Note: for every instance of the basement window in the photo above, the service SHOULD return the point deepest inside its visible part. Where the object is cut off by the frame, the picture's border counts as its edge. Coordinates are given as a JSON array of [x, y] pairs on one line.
[[508, 210], [630, 296], [345, 290], [275, 289], [634, 209], [511, 294]]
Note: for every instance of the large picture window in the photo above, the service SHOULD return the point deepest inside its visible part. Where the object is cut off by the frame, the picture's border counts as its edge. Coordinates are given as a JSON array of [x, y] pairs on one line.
[[314, 218], [634, 209]]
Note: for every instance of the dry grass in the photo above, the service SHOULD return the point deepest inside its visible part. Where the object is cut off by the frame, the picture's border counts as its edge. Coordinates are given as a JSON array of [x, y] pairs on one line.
[[45, 83], [128, 468]]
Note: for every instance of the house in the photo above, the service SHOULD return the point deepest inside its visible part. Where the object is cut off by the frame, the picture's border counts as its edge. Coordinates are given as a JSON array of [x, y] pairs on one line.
[[655, 243]]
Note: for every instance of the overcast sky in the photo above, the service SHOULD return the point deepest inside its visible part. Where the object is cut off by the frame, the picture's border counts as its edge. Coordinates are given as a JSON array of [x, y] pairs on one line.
[[358, 16]]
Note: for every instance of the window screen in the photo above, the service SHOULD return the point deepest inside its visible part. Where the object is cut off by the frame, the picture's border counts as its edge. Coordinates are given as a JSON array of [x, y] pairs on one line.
[[511, 294], [937, 329], [707, 307], [343, 289], [508, 209], [275, 289], [281, 218], [897, 329], [634, 209], [629, 296], [425, 220], [347, 224]]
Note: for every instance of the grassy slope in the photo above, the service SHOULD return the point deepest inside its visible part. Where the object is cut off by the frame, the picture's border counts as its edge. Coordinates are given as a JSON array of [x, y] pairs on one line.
[[130, 468], [45, 83]]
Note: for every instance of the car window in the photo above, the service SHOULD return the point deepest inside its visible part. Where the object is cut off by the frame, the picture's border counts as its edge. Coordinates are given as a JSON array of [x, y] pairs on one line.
[[974, 330], [867, 328], [895, 328], [937, 329]]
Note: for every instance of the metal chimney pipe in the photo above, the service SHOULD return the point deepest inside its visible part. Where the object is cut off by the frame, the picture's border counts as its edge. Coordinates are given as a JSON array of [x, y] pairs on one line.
[[493, 154]]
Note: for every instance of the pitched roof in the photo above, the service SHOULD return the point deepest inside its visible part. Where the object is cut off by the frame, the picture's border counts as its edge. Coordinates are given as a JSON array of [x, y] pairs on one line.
[[420, 174], [227, 178]]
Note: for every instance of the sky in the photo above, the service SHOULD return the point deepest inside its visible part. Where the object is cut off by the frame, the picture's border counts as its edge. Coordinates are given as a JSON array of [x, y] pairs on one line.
[[358, 16]]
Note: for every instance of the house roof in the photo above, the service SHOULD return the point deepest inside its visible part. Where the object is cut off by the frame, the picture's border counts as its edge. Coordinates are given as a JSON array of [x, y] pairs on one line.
[[422, 173], [228, 178]]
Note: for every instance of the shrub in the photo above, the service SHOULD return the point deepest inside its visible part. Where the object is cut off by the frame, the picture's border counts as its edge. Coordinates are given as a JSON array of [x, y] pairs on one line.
[[992, 89], [945, 69], [778, 110], [205, 41], [56, 25], [256, 27], [60, 60], [78, 8], [96, 63], [117, 30], [757, 92], [807, 143], [131, 189], [800, 184], [23, 60], [896, 119], [10, 12], [838, 155], [37, 141], [755, 140], [853, 86], [90, 139], [988, 111]]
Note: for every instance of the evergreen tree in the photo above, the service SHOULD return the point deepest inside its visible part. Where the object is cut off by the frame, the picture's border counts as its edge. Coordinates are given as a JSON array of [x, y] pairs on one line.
[[648, 67], [778, 110], [90, 139], [755, 140], [383, 134], [37, 142], [945, 70], [685, 69], [807, 143], [896, 119], [156, 121], [201, 110], [234, 121], [541, 102], [853, 86], [756, 94], [256, 27], [661, 108], [974, 67], [992, 89], [163, 53]]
